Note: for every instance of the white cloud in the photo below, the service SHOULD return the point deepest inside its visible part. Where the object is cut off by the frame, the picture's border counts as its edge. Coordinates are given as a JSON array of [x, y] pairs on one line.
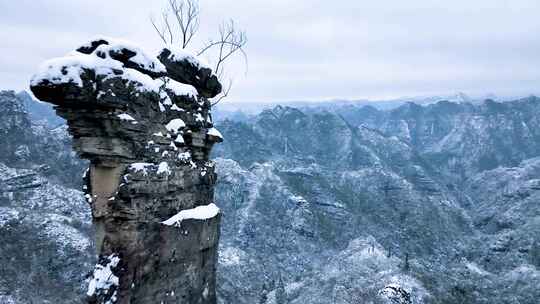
[[310, 49]]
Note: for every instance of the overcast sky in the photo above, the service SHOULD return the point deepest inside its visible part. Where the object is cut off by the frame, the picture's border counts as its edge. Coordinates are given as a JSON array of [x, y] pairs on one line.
[[310, 49]]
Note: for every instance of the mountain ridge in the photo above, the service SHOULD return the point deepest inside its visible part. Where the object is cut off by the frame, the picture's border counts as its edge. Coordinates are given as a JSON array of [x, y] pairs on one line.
[[328, 206]]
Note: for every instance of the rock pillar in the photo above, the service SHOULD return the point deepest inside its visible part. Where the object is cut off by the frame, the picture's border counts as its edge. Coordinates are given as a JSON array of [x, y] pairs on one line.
[[144, 123]]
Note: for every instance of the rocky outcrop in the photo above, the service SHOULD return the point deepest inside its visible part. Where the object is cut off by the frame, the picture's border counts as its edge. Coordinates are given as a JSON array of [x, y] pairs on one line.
[[145, 126]]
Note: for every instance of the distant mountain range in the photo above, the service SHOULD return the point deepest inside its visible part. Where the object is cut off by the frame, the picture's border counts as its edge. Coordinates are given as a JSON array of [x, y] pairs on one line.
[[336, 203], [240, 111], [41, 112]]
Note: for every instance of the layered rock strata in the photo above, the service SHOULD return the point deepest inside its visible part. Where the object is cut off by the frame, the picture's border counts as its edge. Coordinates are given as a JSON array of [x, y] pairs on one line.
[[144, 123]]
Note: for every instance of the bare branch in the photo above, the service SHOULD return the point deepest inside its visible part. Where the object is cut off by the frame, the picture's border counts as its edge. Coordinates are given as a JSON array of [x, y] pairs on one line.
[[165, 17], [158, 31], [179, 24], [224, 93], [231, 41], [185, 14]]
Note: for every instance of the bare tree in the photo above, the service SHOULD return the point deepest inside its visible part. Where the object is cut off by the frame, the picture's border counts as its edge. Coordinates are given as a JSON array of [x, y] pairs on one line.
[[179, 23], [185, 24], [231, 40]]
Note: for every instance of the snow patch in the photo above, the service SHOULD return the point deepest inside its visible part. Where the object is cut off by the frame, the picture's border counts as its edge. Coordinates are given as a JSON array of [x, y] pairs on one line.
[[184, 156], [140, 167], [179, 139], [68, 69], [141, 58], [198, 213], [176, 108], [395, 293], [103, 278], [164, 168], [125, 116], [178, 54], [199, 117], [214, 132], [181, 89], [175, 125]]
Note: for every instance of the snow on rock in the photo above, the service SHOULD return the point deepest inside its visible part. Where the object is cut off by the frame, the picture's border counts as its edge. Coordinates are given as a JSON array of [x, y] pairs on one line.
[[181, 89], [125, 116], [176, 108], [103, 278], [142, 82], [175, 125], [68, 69], [141, 58], [163, 167], [214, 132], [161, 107], [198, 213], [184, 156], [179, 139], [394, 293], [198, 117], [141, 167], [109, 76], [178, 54]]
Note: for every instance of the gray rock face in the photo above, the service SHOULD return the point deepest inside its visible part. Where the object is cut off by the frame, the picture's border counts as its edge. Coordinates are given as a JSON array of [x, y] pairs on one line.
[[150, 182]]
